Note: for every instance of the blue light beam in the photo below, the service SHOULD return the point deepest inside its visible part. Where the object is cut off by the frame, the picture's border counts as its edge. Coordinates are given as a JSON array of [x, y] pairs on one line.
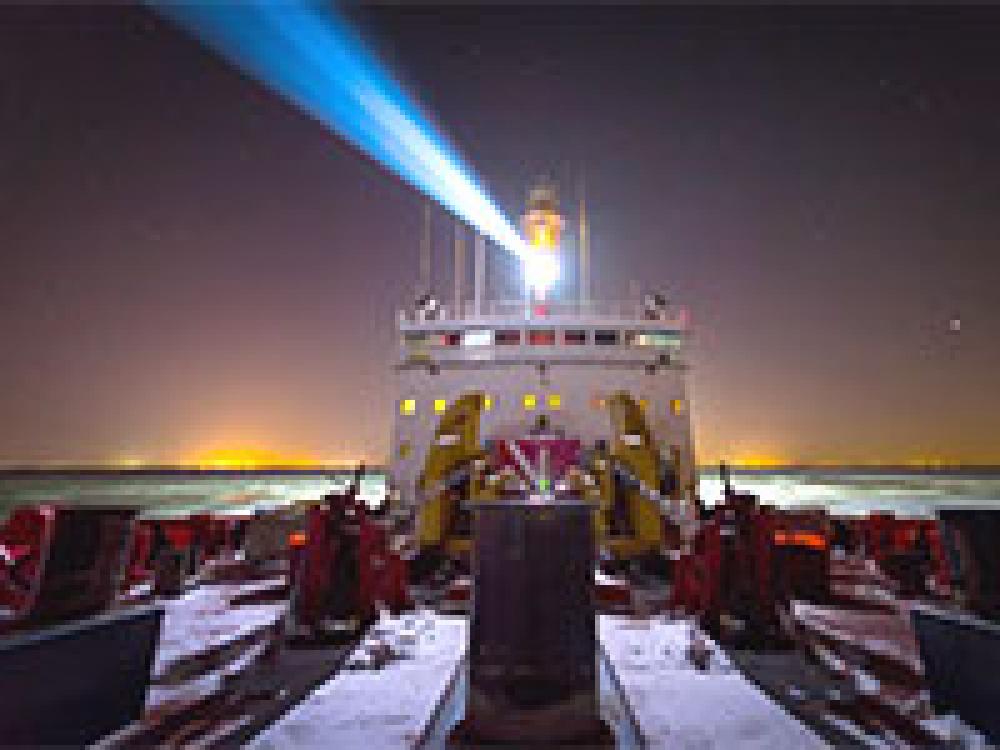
[[312, 57]]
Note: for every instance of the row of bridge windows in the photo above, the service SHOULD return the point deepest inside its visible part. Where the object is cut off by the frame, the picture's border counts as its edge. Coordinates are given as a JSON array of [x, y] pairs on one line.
[[544, 337]]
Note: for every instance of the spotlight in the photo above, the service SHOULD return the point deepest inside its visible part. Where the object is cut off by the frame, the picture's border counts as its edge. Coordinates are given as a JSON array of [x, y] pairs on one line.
[[541, 271]]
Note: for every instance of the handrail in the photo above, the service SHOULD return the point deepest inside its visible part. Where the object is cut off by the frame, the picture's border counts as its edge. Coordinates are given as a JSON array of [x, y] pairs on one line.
[[610, 312]]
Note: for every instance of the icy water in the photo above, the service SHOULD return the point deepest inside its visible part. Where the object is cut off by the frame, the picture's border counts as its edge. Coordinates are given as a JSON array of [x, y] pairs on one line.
[[178, 494], [852, 493], [908, 494]]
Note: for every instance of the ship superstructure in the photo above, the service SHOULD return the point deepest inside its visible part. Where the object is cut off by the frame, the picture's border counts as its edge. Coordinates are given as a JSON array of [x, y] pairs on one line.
[[607, 376]]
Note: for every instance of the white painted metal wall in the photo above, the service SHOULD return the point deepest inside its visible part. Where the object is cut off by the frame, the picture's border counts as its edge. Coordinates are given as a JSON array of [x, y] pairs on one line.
[[579, 382]]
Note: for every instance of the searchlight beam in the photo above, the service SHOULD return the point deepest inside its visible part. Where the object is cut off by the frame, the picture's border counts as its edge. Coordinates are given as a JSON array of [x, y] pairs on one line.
[[312, 57]]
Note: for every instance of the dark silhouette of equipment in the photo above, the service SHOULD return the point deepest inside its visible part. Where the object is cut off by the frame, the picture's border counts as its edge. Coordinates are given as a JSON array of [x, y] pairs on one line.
[[748, 562], [71, 684], [345, 567], [972, 544], [532, 666], [60, 563]]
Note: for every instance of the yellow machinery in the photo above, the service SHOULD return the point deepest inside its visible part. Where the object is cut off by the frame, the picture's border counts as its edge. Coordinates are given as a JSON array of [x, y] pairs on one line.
[[630, 472], [627, 475], [456, 448]]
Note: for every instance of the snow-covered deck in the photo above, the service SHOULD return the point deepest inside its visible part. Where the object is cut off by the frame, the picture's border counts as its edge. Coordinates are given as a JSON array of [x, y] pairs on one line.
[[199, 629], [203, 620], [678, 706], [674, 704], [384, 708]]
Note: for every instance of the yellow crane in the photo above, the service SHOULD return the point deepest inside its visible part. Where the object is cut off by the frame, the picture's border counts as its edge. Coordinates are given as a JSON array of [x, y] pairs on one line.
[[628, 478]]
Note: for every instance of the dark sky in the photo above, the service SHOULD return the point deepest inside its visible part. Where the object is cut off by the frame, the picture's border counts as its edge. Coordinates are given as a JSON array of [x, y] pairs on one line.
[[190, 264]]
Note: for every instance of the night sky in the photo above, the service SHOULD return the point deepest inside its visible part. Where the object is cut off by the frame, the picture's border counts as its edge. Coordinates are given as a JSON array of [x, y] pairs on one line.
[[189, 264]]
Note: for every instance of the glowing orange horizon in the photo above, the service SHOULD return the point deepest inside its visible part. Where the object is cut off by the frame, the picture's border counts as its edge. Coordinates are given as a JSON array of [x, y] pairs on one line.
[[246, 457], [254, 457]]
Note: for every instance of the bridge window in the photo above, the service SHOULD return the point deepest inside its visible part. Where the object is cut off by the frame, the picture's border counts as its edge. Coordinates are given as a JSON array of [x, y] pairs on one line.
[[555, 401], [477, 338], [408, 407], [542, 337], [440, 405], [448, 338], [659, 339], [530, 401], [575, 337], [508, 337], [606, 338]]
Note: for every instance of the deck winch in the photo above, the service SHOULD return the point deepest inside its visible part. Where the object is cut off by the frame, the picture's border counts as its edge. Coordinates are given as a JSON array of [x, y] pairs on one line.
[[347, 565], [747, 562]]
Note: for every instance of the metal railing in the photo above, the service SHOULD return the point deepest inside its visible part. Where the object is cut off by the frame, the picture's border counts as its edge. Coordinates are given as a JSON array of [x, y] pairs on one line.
[[596, 312]]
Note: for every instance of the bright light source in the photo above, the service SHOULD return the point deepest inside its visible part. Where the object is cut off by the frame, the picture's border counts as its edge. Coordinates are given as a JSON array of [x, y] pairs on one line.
[[541, 271], [477, 338]]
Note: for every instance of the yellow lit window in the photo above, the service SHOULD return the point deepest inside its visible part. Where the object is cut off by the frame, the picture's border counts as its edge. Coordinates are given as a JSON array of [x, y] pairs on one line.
[[530, 401], [643, 403], [555, 401], [487, 403], [676, 406], [440, 405], [408, 407]]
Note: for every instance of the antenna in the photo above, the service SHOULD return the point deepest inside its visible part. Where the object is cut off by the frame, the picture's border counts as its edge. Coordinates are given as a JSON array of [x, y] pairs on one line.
[[459, 265], [584, 247], [425, 254], [479, 279]]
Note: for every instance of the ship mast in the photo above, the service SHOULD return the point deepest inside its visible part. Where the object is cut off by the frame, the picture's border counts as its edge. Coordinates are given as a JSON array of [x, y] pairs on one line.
[[584, 249]]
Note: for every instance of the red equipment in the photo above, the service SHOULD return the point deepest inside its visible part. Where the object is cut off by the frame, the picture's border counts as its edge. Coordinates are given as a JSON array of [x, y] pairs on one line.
[[384, 571], [747, 561], [908, 550], [140, 564], [525, 456], [878, 535], [312, 555], [60, 563], [344, 567]]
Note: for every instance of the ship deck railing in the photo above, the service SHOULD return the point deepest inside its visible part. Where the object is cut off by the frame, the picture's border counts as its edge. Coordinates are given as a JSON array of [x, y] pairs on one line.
[[558, 313]]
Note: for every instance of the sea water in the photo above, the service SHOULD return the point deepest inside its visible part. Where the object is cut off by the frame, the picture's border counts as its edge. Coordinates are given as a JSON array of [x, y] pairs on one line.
[[908, 494]]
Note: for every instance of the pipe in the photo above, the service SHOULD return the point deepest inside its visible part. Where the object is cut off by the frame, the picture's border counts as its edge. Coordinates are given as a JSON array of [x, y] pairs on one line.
[[584, 250], [425, 252]]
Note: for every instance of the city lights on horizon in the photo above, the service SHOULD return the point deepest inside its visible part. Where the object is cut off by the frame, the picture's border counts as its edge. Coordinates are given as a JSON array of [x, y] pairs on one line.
[[235, 458]]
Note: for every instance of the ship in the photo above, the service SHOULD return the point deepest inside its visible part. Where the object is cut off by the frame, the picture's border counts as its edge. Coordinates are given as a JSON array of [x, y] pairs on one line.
[[540, 572], [541, 394]]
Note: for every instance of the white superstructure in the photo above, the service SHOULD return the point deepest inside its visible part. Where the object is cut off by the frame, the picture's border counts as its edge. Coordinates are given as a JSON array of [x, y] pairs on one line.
[[558, 359]]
